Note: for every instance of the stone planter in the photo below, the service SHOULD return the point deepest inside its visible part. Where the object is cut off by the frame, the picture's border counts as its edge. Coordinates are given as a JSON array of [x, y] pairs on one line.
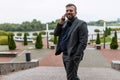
[[98, 46]]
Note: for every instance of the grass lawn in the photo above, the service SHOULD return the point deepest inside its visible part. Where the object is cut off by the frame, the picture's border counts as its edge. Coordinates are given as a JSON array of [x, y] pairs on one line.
[[107, 39]]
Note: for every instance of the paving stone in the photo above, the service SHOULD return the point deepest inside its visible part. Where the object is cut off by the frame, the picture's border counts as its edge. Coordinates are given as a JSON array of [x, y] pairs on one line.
[[58, 73]]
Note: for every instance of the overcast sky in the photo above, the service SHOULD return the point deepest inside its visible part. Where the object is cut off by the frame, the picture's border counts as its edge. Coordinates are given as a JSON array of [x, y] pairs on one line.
[[17, 11]]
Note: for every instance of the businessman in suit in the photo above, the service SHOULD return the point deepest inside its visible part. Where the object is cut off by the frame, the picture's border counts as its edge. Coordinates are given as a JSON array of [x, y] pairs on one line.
[[73, 36]]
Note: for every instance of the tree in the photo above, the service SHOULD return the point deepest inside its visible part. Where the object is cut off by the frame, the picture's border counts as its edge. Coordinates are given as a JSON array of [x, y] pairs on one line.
[[36, 25], [109, 31], [115, 35], [39, 43], [100, 22], [114, 43], [55, 39], [98, 39], [25, 39], [11, 43]]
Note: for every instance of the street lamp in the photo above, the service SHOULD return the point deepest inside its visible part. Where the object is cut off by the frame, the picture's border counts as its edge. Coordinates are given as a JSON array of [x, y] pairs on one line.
[[104, 33], [47, 35]]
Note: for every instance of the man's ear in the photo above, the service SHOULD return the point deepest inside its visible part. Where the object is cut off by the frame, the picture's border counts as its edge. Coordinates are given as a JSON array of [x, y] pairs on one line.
[[76, 12]]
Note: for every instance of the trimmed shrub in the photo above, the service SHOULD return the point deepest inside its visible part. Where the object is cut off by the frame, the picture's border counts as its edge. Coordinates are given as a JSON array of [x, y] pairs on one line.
[[114, 43], [51, 33], [3, 40], [27, 34], [19, 34], [11, 43], [11, 33], [25, 39], [39, 43], [43, 33], [3, 33], [98, 39], [35, 34], [96, 30], [55, 40]]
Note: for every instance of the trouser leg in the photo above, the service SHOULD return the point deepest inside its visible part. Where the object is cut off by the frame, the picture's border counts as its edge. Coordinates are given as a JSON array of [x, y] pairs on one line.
[[71, 67]]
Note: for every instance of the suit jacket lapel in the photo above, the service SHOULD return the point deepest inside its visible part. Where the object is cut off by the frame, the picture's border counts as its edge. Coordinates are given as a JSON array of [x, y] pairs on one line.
[[73, 26], [64, 25]]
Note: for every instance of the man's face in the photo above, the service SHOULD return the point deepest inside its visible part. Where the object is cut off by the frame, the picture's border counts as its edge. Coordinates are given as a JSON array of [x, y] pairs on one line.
[[70, 12]]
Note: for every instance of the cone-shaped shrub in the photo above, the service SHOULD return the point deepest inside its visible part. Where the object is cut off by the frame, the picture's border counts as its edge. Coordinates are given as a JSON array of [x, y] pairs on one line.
[[25, 39], [98, 39], [55, 39], [11, 43], [39, 43], [114, 43]]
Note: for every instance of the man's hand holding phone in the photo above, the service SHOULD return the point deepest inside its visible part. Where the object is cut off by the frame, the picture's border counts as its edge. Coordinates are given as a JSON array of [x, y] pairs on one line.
[[62, 20]]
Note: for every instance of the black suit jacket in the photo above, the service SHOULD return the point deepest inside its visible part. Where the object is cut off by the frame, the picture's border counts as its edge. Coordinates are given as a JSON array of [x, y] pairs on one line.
[[77, 38]]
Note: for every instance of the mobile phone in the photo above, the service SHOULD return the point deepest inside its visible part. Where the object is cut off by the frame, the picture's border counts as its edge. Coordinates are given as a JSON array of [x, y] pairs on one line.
[[63, 17]]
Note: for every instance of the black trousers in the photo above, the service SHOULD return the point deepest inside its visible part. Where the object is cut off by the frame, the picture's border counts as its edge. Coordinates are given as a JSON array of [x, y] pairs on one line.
[[71, 67]]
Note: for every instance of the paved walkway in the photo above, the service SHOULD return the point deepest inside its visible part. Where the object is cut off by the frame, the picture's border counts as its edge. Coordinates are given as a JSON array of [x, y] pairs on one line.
[[92, 58], [94, 67], [58, 73]]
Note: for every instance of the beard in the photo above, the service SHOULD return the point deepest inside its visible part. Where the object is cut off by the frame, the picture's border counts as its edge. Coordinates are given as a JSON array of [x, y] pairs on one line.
[[70, 17]]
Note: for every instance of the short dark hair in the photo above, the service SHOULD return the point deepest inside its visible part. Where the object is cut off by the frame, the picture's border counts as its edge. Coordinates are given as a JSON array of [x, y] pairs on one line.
[[68, 5]]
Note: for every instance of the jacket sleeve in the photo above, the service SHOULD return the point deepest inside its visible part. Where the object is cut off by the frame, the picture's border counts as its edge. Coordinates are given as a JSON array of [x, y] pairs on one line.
[[83, 37], [58, 30]]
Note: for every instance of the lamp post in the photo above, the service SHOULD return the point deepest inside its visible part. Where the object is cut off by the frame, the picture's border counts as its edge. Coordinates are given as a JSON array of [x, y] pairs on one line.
[[104, 38], [92, 39], [47, 35], [104, 34]]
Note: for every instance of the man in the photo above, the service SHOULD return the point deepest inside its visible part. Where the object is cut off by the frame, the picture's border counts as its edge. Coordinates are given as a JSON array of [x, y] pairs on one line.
[[73, 36]]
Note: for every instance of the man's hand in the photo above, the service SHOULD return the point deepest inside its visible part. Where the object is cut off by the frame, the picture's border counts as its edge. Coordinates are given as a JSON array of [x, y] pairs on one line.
[[62, 20]]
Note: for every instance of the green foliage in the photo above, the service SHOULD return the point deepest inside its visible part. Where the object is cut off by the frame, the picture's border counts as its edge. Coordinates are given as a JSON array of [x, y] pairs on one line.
[[36, 25], [106, 32], [25, 39], [9, 27], [51, 33], [10, 33], [51, 39], [3, 40], [27, 34], [109, 31], [19, 34], [39, 43], [11, 43], [52, 25], [96, 30], [114, 43], [115, 35], [100, 22], [3, 33], [24, 26], [43, 32], [35, 34], [55, 40], [107, 39], [98, 39]]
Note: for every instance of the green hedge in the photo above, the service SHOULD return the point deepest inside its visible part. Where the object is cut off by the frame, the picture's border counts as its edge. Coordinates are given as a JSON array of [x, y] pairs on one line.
[[3, 33], [3, 40]]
